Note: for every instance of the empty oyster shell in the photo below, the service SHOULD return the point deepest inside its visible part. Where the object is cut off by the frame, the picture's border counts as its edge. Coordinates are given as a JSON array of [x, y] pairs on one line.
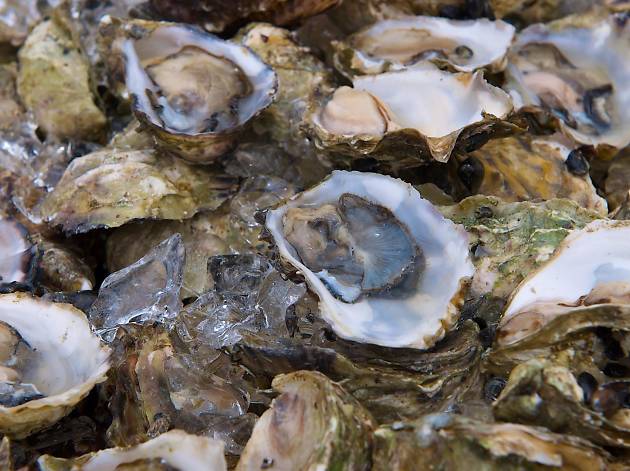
[[174, 449], [524, 168], [194, 91], [387, 267], [69, 360], [418, 114], [463, 46], [577, 72], [338, 427], [591, 266]]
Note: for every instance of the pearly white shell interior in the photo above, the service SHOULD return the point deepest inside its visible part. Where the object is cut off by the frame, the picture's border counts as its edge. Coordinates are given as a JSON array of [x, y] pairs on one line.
[[598, 253], [415, 321], [488, 40], [68, 353], [434, 102]]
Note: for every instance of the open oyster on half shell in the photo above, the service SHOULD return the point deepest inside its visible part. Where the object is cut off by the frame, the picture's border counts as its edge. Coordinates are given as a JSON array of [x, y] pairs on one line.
[[463, 46], [193, 90], [387, 267], [417, 114], [50, 360], [577, 71]]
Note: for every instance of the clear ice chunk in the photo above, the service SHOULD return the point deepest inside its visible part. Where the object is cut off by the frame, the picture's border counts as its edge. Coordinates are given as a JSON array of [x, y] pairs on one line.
[[145, 291], [249, 295]]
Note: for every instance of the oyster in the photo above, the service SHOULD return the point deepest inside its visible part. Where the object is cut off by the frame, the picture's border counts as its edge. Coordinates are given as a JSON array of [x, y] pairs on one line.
[[387, 268], [173, 450], [194, 91], [415, 114], [451, 442], [524, 168], [16, 252], [66, 360], [110, 187], [575, 71], [339, 429], [591, 266], [53, 82], [463, 46]]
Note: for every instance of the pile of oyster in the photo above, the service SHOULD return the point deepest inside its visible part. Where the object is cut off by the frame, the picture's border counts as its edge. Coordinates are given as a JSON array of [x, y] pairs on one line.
[[310, 235]]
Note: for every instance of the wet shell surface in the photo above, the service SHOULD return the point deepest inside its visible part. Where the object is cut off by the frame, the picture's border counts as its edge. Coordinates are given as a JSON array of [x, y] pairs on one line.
[[425, 106], [462, 46], [194, 90], [69, 360], [579, 74], [413, 262], [591, 266]]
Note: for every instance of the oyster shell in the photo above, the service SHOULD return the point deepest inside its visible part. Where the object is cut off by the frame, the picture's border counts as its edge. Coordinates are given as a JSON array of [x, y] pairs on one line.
[[16, 253], [453, 442], [68, 361], [462, 46], [600, 276], [371, 248], [531, 168], [53, 82], [174, 449], [110, 187], [194, 91], [416, 114], [575, 71], [510, 240], [617, 182], [301, 75], [339, 429]]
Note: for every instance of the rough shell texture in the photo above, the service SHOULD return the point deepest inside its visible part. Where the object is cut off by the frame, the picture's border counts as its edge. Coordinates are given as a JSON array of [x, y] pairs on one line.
[[53, 82], [523, 168], [509, 240], [108, 188], [72, 360], [325, 426]]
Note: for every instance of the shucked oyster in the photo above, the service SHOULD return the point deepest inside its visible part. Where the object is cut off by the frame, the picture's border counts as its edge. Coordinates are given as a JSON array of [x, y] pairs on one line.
[[51, 361], [578, 74], [194, 90], [416, 114], [591, 266], [387, 267], [464, 46]]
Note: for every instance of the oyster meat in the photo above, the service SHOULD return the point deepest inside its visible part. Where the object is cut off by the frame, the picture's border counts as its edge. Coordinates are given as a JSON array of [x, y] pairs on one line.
[[388, 269], [578, 74], [16, 252], [425, 110], [463, 46], [194, 91]]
